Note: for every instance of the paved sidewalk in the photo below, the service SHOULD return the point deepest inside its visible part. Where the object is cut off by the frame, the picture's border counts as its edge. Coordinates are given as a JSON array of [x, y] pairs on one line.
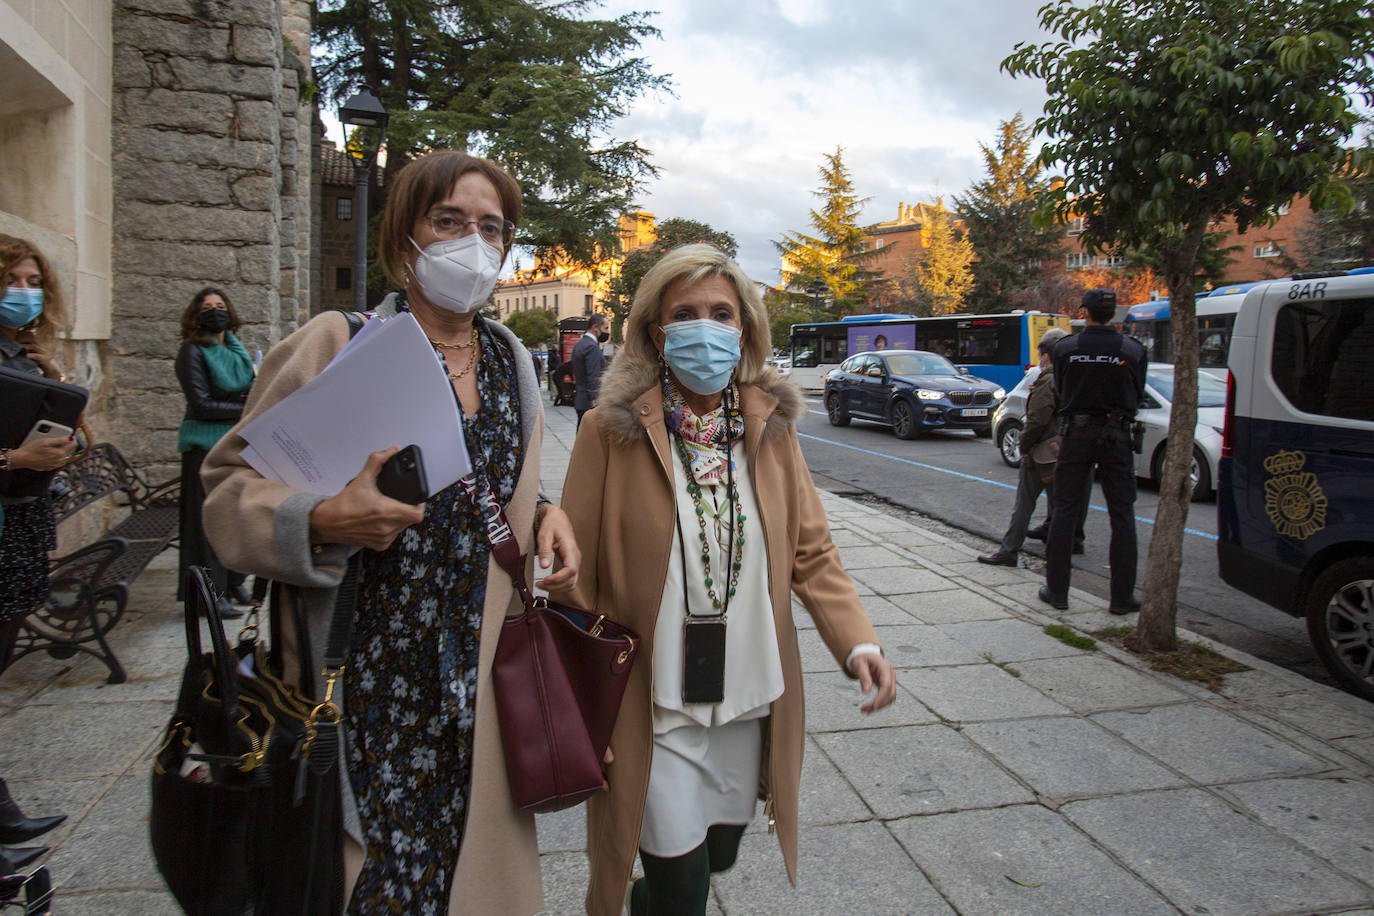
[[1014, 774]]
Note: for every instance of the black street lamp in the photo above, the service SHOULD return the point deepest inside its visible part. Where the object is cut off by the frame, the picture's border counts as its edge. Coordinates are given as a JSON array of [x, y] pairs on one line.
[[815, 291], [368, 119]]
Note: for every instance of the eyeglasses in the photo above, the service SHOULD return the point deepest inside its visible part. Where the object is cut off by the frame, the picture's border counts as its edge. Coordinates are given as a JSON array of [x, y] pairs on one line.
[[452, 224]]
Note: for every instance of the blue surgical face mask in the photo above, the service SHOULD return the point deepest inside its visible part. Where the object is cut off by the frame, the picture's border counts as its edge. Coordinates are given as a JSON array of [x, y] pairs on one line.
[[20, 305], [701, 353]]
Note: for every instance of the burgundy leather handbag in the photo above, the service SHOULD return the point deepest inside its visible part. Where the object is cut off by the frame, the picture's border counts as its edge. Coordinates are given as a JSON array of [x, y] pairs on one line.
[[559, 675]]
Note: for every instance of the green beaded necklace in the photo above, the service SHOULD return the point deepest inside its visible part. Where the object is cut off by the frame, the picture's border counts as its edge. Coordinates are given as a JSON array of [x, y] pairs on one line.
[[735, 543]]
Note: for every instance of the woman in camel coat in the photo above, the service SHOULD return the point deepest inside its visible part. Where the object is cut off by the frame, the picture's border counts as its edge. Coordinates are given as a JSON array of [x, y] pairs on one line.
[[672, 442]]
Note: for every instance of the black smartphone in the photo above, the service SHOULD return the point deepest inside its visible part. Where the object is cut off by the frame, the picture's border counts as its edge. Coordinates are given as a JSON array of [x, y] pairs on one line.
[[403, 476], [703, 660]]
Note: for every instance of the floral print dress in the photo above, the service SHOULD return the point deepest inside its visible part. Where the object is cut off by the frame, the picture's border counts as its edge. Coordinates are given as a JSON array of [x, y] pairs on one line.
[[411, 677]]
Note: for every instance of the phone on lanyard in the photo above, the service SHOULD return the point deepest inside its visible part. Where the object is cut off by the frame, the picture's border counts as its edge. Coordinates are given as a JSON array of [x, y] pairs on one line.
[[703, 660]]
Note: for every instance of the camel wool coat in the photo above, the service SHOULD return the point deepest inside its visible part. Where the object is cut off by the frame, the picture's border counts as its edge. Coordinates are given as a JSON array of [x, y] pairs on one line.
[[263, 527], [619, 495]]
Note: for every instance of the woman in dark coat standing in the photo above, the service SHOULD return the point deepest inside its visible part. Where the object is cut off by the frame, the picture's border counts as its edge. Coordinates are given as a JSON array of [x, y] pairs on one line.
[[216, 374]]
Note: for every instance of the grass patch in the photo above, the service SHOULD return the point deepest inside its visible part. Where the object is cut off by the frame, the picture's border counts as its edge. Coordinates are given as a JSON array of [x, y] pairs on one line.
[[1192, 661], [1003, 665], [1070, 638]]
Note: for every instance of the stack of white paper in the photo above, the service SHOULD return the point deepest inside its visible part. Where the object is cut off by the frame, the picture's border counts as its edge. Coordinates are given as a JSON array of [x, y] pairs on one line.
[[385, 388]]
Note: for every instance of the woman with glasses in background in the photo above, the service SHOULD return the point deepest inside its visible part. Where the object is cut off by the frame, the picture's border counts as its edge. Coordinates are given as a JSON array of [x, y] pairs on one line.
[[429, 819]]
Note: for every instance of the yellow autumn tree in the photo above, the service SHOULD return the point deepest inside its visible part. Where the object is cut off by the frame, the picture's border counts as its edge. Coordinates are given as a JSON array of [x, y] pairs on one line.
[[943, 274]]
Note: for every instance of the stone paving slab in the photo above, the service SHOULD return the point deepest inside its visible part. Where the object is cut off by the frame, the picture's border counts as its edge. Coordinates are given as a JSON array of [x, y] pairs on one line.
[[1330, 817], [922, 645], [1209, 746], [978, 692], [40, 739], [952, 606], [983, 574], [920, 769], [833, 700], [854, 868], [976, 859], [1206, 858], [1092, 682], [869, 557], [884, 612], [1068, 757], [1327, 715], [120, 818], [562, 831], [1008, 640], [900, 580], [114, 903]]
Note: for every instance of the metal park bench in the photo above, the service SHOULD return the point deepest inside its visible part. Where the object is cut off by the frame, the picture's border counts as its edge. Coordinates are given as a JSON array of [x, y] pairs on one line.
[[90, 586]]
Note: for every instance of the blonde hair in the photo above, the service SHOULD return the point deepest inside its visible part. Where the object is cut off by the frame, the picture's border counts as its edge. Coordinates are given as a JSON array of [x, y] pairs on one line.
[[692, 264]]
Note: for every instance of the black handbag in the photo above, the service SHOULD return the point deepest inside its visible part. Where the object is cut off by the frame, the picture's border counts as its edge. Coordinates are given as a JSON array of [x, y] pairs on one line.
[[246, 812]]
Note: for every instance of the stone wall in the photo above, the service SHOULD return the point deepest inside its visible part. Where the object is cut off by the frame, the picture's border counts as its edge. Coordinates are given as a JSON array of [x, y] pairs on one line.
[[211, 188]]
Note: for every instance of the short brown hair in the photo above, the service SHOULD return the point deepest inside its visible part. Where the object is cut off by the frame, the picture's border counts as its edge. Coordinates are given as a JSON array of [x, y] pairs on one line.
[[54, 317], [190, 319], [421, 184]]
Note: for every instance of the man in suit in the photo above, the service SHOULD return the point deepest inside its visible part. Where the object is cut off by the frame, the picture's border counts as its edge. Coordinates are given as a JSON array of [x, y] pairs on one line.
[[588, 364]]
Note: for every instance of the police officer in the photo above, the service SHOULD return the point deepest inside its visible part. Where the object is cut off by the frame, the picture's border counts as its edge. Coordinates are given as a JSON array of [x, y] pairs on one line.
[[1100, 376]]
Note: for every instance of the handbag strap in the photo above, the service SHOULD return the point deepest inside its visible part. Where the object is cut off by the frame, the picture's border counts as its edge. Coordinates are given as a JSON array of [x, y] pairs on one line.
[[500, 534], [199, 599]]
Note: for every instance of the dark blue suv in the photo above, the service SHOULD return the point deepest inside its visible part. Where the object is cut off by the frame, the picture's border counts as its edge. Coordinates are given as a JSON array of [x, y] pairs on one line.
[[913, 391]]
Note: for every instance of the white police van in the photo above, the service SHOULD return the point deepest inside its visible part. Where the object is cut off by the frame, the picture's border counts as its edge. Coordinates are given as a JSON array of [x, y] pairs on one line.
[[1295, 501]]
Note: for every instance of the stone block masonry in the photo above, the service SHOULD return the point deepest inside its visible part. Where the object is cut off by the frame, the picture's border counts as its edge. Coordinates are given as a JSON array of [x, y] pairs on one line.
[[209, 160]]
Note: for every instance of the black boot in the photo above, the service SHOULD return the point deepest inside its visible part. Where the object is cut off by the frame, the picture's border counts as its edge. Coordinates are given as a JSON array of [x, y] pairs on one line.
[[14, 858], [15, 827]]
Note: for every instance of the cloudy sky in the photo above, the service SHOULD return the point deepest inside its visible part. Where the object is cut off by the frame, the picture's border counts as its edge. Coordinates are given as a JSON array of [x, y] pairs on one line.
[[764, 88]]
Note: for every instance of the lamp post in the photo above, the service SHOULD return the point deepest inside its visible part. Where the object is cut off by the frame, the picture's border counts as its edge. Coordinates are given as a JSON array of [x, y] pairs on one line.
[[368, 119], [815, 291]]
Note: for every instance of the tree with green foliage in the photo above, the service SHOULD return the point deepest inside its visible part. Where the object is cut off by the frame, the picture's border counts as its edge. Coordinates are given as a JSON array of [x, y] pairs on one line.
[[539, 326], [1336, 240], [999, 213], [838, 252], [783, 312], [942, 273], [529, 83], [1213, 260], [669, 234], [1169, 114]]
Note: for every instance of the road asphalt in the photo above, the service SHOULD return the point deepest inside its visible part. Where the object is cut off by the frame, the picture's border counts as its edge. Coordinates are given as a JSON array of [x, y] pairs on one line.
[[1015, 774]]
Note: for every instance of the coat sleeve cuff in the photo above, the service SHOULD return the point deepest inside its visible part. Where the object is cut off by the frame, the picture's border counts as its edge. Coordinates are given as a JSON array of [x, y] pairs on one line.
[[301, 562], [863, 648]]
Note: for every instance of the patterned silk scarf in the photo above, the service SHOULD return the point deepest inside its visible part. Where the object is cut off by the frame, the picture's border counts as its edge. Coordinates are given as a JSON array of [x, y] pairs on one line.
[[704, 437]]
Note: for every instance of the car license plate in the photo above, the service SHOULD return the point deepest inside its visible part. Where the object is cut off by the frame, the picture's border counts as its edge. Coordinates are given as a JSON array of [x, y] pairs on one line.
[[975, 412]]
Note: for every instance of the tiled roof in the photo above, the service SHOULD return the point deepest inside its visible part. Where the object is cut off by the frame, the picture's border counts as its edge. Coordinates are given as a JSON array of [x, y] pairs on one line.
[[336, 167]]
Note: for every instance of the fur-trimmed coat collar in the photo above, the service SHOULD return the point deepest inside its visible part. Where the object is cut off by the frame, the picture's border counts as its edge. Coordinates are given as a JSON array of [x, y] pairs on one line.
[[625, 384]]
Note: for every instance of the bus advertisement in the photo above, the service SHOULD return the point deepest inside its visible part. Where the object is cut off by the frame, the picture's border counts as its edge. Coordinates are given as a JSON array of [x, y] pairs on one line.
[[999, 348]]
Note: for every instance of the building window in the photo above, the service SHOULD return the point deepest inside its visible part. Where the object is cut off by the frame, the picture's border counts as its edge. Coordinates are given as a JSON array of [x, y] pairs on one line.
[[878, 243], [343, 208], [1077, 259], [589, 304], [1282, 209], [555, 302], [1113, 260], [1076, 226], [1270, 249], [543, 302], [343, 278]]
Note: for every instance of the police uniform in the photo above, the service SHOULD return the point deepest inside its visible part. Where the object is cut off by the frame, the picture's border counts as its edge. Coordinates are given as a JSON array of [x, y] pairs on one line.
[[1100, 377]]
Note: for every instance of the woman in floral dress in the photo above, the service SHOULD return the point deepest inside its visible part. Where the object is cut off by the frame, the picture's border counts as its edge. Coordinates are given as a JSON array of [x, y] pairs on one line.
[[431, 828]]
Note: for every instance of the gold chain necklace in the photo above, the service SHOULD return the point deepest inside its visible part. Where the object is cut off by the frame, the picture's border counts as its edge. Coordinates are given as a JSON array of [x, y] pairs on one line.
[[472, 356], [460, 346]]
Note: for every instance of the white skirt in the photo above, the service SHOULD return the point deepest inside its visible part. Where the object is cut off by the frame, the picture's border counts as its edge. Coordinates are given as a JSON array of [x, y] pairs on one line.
[[700, 776]]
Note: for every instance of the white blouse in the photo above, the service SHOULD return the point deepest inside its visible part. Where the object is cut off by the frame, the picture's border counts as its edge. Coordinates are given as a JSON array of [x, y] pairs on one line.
[[753, 667]]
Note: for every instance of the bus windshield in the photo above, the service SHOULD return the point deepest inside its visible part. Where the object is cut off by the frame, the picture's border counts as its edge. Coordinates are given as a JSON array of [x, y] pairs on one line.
[[920, 364]]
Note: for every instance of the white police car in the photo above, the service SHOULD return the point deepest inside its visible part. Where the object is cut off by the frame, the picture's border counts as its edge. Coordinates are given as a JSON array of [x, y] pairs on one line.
[[1295, 500]]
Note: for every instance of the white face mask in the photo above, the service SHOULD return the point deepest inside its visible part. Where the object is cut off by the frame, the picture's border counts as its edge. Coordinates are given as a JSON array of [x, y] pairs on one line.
[[458, 274]]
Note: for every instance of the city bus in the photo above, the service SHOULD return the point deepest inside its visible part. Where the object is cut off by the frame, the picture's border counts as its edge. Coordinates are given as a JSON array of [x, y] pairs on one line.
[[1148, 322], [999, 348]]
